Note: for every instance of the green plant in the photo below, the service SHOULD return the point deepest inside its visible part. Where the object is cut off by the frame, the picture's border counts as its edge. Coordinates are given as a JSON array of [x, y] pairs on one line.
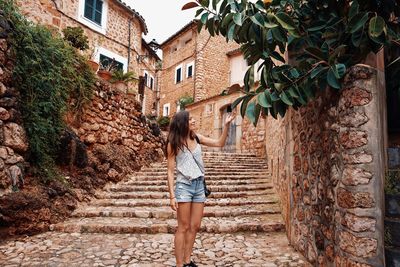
[[163, 121], [185, 100], [47, 73], [324, 38], [76, 37], [392, 182], [106, 65], [120, 76]]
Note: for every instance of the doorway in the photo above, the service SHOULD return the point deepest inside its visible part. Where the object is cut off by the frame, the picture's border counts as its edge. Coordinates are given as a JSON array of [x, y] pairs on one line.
[[230, 145]]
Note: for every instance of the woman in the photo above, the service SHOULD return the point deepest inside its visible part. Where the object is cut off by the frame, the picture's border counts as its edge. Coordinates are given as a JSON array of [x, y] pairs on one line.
[[184, 153]]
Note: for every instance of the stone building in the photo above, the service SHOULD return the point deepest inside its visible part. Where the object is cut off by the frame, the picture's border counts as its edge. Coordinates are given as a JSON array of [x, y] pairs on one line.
[[211, 71], [114, 31]]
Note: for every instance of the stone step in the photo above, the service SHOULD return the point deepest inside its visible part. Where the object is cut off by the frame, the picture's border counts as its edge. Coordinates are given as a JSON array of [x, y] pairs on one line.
[[208, 173], [168, 213], [163, 188], [216, 164], [209, 182], [118, 225], [209, 177], [226, 168], [227, 154], [222, 202], [158, 195]]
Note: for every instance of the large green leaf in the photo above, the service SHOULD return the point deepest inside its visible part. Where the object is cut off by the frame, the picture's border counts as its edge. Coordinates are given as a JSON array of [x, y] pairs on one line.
[[204, 18], [205, 3], [245, 102], [316, 53], [264, 100], [285, 21], [215, 3], [376, 26], [286, 99], [332, 80], [353, 9], [250, 112], [231, 32], [341, 69], [258, 19], [237, 18], [237, 102], [357, 37], [358, 21]]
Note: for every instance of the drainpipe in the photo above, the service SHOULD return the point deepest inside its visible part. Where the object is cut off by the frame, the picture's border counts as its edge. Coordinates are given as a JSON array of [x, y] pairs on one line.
[[129, 42]]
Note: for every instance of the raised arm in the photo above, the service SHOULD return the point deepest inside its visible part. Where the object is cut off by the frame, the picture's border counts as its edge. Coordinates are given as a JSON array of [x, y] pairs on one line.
[[170, 173], [220, 142]]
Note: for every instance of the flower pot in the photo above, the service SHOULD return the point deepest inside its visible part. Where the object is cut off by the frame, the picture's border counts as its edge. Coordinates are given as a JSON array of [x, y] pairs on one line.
[[93, 65], [104, 74], [392, 205], [121, 86], [392, 256], [392, 226]]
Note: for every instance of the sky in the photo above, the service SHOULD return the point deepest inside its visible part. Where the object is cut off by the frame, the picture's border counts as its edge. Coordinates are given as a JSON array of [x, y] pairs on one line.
[[163, 17]]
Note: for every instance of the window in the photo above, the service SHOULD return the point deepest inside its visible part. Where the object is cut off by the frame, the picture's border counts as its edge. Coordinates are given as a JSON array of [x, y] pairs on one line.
[[93, 14], [106, 56], [178, 74], [166, 109], [151, 82], [146, 78], [93, 10], [106, 61], [189, 69]]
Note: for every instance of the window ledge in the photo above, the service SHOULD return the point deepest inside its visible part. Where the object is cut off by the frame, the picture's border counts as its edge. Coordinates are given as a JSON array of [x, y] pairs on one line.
[[92, 25]]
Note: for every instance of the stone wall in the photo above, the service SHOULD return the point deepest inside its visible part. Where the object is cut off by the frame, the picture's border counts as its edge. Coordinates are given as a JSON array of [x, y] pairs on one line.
[[13, 142], [327, 165], [214, 63], [115, 118]]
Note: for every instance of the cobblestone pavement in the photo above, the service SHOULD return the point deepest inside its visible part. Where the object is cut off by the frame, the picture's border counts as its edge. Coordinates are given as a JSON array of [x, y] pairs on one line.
[[131, 223], [76, 249]]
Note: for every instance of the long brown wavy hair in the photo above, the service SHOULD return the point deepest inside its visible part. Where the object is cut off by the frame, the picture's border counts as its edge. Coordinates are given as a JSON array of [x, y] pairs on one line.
[[179, 131]]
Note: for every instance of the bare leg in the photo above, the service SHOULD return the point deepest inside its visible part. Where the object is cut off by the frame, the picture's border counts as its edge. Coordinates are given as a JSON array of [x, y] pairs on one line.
[[181, 231], [195, 221]]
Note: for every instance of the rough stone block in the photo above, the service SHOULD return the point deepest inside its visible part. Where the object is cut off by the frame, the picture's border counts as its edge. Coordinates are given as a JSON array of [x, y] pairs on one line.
[[355, 176], [15, 137], [359, 224], [353, 139], [348, 199], [357, 158], [358, 246]]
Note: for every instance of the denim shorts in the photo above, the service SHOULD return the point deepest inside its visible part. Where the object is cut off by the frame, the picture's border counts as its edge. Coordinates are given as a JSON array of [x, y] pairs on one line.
[[193, 192]]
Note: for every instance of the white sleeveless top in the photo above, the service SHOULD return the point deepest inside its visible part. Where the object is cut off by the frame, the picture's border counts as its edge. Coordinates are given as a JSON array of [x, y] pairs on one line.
[[186, 167]]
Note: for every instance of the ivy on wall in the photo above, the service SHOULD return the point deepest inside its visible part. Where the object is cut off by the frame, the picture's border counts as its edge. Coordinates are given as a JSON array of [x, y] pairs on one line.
[[48, 73]]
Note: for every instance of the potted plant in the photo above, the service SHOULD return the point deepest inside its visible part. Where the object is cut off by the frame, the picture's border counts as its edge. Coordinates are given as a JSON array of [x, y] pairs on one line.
[[93, 64], [163, 123], [76, 37], [121, 79], [106, 69]]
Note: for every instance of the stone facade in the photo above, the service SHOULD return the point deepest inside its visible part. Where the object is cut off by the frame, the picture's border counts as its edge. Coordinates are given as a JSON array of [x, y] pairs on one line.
[[13, 141], [242, 137], [327, 164], [210, 66], [113, 41]]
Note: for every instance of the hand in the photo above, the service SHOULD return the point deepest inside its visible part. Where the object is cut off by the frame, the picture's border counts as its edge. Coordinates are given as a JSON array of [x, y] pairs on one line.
[[230, 117], [173, 204]]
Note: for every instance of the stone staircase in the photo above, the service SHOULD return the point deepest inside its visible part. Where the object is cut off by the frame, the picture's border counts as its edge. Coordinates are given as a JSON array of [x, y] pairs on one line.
[[242, 200]]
